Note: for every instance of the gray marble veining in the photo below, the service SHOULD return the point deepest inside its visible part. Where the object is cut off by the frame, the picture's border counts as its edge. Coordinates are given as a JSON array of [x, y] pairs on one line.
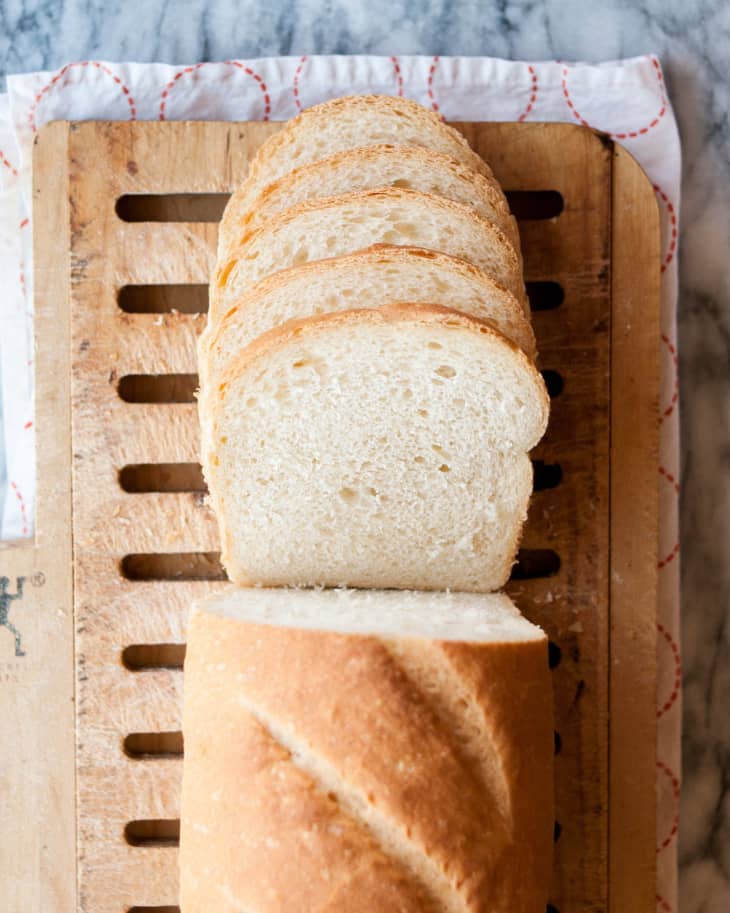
[[692, 38]]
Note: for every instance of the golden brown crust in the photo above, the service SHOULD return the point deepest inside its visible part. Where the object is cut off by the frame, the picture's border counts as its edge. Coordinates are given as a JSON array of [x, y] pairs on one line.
[[512, 682], [340, 700], [257, 833]]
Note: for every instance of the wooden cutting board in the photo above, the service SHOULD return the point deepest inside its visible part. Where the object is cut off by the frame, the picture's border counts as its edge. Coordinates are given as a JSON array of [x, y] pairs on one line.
[[124, 242]]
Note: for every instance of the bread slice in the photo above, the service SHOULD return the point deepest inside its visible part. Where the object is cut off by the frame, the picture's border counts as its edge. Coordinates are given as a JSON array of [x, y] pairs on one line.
[[346, 123], [367, 279], [319, 229], [373, 168], [363, 751], [374, 448]]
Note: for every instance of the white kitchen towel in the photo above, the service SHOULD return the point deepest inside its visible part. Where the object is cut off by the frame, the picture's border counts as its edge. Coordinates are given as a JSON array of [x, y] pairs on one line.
[[626, 99]]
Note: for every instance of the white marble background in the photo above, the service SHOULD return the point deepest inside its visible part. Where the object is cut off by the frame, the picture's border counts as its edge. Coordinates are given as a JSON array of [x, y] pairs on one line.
[[692, 38]]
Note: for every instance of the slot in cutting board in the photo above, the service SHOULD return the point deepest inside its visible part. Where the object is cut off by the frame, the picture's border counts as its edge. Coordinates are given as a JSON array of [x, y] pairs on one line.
[[145, 544]]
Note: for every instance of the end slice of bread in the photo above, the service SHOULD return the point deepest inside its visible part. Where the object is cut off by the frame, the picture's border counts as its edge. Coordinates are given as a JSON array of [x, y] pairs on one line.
[[313, 718], [374, 448], [334, 226]]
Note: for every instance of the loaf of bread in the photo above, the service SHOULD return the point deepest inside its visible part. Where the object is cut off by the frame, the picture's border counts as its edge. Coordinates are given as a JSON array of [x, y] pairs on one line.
[[334, 226], [375, 168], [374, 448], [366, 279], [345, 123], [359, 752], [368, 400]]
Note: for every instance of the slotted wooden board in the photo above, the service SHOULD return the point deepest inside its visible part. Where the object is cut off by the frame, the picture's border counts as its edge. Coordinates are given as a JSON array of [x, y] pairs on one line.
[[599, 608]]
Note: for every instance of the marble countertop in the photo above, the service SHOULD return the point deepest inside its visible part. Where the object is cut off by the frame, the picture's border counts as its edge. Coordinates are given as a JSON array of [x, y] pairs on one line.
[[693, 42]]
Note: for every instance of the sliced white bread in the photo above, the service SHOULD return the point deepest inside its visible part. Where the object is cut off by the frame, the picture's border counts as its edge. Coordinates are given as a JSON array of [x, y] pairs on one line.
[[365, 751], [374, 448], [331, 227], [346, 123], [372, 168], [367, 279]]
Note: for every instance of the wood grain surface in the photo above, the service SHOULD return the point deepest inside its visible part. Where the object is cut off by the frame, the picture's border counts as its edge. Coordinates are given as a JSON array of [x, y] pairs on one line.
[[37, 777], [635, 338], [145, 544]]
